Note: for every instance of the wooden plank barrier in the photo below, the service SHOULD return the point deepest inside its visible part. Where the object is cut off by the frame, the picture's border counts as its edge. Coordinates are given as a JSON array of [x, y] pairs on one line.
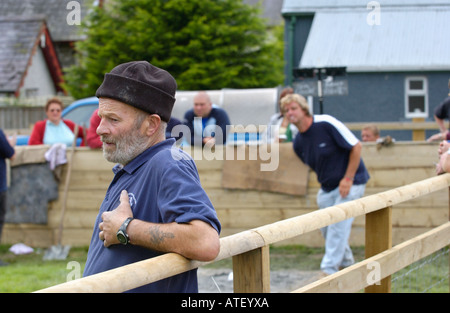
[[356, 277], [250, 251], [239, 209]]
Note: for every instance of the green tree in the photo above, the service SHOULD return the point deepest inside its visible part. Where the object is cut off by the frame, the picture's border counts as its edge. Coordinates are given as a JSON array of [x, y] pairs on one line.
[[204, 44]]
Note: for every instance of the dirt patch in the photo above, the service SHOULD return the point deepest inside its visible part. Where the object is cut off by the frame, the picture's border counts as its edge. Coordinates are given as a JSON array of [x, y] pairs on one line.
[[221, 280]]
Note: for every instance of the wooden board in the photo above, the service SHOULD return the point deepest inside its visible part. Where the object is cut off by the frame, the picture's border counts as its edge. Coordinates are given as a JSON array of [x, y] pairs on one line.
[[288, 175], [242, 209]]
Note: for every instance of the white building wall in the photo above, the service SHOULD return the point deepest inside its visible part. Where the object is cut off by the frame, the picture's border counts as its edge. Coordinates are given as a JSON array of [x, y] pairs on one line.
[[38, 82]]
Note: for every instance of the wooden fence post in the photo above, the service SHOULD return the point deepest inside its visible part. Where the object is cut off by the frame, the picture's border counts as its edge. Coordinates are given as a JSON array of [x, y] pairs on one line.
[[379, 239], [418, 134], [251, 271]]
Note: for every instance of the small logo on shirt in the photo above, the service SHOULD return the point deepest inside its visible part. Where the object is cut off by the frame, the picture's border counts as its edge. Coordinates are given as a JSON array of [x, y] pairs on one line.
[[323, 145], [132, 199]]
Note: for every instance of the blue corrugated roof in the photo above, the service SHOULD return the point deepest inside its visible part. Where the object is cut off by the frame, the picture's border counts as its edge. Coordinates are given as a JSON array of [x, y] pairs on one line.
[[407, 39], [307, 6]]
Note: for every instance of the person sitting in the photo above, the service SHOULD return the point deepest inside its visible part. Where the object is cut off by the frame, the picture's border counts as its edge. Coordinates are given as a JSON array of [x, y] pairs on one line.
[[441, 113], [207, 123], [443, 165], [279, 129], [54, 129], [369, 133], [93, 140], [170, 125]]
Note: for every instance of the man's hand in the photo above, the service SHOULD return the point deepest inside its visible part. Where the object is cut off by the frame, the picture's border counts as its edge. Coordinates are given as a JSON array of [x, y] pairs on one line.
[[209, 141], [113, 220], [443, 147], [344, 186]]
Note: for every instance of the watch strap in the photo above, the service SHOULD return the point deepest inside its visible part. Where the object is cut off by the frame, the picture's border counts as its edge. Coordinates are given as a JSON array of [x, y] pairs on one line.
[[123, 229], [125, 224]]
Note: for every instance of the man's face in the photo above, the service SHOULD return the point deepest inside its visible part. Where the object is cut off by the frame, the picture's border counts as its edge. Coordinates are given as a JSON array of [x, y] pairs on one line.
[[294, 112], [120, 131], [367, 135], [202, 106]]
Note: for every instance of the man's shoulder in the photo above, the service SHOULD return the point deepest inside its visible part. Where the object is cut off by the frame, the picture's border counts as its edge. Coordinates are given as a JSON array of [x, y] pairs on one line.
[[175, 154], [332, 125], [220, 114], [171, 163], [189, 115], [446, 101], [325, 118], [169, 153], [218, 110]]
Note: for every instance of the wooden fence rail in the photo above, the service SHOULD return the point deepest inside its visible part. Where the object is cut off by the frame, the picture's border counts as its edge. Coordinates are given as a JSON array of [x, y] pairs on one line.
[[358, 276], [250, 249]]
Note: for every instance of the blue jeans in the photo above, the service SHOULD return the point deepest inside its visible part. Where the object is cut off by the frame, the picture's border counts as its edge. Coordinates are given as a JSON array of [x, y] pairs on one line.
[[337, 250]]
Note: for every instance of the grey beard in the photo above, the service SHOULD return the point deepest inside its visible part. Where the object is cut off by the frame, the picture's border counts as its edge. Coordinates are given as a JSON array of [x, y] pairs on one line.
[[127, 148]]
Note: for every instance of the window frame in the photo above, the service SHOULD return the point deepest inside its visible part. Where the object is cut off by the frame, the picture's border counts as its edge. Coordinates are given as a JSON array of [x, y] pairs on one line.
[[414, 92]]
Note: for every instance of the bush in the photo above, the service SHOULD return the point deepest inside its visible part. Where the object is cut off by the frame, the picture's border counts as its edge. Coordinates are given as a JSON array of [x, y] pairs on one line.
[[204, 44]]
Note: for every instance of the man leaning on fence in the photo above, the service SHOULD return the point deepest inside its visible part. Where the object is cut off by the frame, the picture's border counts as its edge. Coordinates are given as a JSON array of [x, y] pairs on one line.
[[155, 203], [6, 152], [332, 151]]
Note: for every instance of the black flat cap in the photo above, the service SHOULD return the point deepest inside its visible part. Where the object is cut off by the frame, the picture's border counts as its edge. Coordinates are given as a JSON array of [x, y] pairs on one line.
[[142, 85]]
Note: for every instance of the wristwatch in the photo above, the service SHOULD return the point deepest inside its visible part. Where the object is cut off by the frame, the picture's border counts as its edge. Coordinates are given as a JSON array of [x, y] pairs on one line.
[[122, 235]]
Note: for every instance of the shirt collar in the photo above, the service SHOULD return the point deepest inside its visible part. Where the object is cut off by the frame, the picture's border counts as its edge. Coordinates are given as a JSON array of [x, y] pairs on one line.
[[131, 167]]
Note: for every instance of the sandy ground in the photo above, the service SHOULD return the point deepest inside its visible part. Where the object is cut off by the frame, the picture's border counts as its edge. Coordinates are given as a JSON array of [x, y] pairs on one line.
[[220, 280]]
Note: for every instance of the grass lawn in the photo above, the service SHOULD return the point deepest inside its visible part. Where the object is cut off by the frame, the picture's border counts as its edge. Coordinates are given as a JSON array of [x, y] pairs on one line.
[[27, 273]]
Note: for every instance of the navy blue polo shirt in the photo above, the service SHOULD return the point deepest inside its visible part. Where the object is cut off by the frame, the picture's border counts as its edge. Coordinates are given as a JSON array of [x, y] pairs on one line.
[[6, 152], [217, 117], [442, 111], [325, 148], [163, 186]]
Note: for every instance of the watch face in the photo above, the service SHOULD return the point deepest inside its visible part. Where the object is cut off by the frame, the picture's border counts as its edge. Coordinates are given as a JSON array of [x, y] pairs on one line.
[[121, 237]]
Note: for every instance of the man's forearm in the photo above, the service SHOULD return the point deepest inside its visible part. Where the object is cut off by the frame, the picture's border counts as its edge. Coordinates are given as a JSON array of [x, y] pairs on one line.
[[195, 240], [353, 162]]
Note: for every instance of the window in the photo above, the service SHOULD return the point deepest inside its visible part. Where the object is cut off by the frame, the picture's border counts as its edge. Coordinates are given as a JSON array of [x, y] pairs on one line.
[[81, 114], [416, 97], [31, 92]]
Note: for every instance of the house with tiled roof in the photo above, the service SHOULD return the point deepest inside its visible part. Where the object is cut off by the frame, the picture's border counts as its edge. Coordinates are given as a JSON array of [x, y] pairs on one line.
[[29, 66], [37, 44], [56, 14]]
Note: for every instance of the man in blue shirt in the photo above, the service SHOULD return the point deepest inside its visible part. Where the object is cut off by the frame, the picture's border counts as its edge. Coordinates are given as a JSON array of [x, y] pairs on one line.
[[6, 152], [155, 203], [441, 113], [334, 154], [207, 123]]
